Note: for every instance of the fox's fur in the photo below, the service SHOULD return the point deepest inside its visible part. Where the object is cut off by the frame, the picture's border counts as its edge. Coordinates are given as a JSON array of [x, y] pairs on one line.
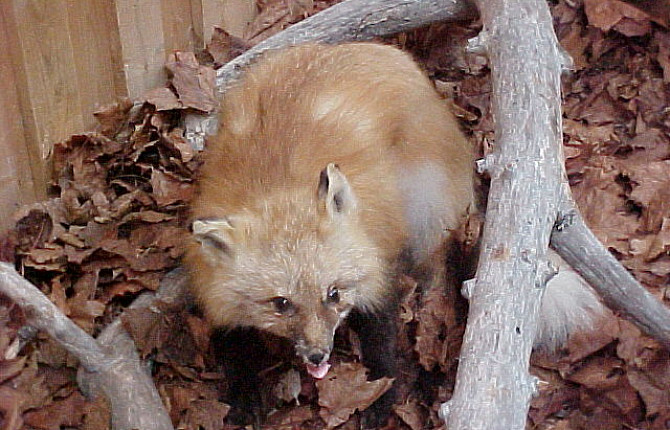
[[330, 162]]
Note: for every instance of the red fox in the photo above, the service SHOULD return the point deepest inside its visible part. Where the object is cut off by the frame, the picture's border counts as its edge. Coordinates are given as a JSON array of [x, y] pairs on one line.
[[330, 163]]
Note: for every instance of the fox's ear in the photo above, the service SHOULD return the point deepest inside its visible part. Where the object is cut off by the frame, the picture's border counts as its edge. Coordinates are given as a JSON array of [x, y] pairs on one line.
[[335, 191], [215, 234]]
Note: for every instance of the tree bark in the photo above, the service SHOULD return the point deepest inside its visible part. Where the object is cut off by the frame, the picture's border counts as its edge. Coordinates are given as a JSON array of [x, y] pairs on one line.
[[493, 385], [347, 21], [122, 378]]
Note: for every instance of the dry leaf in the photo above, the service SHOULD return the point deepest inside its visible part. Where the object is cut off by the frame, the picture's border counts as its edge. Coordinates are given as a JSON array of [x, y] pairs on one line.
[[346, 389]]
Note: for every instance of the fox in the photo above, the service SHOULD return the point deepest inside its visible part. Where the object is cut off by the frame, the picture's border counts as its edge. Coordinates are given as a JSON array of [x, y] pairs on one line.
[[333, 165]]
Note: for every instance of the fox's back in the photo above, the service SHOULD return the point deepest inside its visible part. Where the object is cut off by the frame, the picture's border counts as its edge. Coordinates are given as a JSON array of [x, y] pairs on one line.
[[366, 107]]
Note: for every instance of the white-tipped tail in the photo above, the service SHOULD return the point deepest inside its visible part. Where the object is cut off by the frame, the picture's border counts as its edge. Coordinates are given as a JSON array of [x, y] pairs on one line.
[[569, 306]]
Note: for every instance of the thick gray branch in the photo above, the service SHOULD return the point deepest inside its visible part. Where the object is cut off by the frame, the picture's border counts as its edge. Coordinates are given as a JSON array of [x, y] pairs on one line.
[[131, 393], [493, 386], [354, 20], [620, 291], [347, 21]]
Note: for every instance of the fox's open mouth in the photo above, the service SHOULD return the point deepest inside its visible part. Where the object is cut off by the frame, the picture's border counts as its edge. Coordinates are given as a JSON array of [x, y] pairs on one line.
[[318, 372]]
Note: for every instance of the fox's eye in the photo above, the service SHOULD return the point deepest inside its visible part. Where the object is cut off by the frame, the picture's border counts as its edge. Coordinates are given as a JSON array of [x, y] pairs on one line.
[[282, 305], [333, 295]]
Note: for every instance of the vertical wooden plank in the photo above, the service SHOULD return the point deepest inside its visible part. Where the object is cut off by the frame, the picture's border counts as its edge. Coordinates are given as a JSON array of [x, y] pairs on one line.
[[16, 179], [198, 26], [43, 60], [179, 26], [231, 15], [142, 44], [96, 45]]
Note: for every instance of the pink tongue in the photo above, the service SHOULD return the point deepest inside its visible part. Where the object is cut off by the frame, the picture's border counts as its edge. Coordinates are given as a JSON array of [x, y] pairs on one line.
[[319, 371]]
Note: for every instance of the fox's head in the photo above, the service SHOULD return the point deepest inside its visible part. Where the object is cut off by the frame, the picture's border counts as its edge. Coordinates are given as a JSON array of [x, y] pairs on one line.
[[295, 266]]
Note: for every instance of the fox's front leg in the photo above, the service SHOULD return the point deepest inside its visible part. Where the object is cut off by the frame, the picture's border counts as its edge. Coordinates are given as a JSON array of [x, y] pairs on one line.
[[242, 353], [378, 333]]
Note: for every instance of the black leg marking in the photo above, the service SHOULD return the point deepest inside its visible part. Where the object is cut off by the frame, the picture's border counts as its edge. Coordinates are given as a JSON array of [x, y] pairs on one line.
[[243, 356], [378, 333]]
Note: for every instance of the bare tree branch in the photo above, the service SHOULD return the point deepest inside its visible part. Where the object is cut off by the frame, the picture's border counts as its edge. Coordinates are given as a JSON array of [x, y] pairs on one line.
[[493, 385], [579, 247], [347, 21], [125, 382]]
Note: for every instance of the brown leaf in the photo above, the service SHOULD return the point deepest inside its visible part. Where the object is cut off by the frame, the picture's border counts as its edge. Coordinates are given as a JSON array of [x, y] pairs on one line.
[[137, 258], [68, 412], [602, 202], [11, 368], [591, 135], [113, 117], [163, 99], [632, 345], [653, 386], [608, 14], [47, 259], [84, 311], [438, 332], [583, 344], [150, 280], [576, 44], [291, 419], [119, 289], [97, 415], [176, 139], [23, 392], [147, 328], [599, 373], [194, 84], [554, 397], [167, 189], [179, 398], [205, 414], [346, 389], [224, 47], [12, 404]]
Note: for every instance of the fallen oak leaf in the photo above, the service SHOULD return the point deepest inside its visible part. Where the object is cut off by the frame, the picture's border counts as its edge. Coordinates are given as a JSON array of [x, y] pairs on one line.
[[205, 414], [346, 389], [113, 117], [623, 17], [163, 99], [291, 419], [167, 189], [65, 413], [195, 84]]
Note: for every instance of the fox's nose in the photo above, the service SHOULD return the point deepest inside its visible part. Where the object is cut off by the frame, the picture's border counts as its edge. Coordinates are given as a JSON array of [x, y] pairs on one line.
[[316, 358]]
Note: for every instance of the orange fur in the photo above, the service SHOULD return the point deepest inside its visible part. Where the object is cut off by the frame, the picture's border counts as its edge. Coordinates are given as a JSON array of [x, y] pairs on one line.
[[266, 231]]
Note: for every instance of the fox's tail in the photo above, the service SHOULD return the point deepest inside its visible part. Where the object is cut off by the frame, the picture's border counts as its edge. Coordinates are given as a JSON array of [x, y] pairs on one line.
[[569, 305]]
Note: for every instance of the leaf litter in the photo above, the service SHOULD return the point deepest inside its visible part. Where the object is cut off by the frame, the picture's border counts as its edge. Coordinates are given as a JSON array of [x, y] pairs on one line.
[[116, 223]]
